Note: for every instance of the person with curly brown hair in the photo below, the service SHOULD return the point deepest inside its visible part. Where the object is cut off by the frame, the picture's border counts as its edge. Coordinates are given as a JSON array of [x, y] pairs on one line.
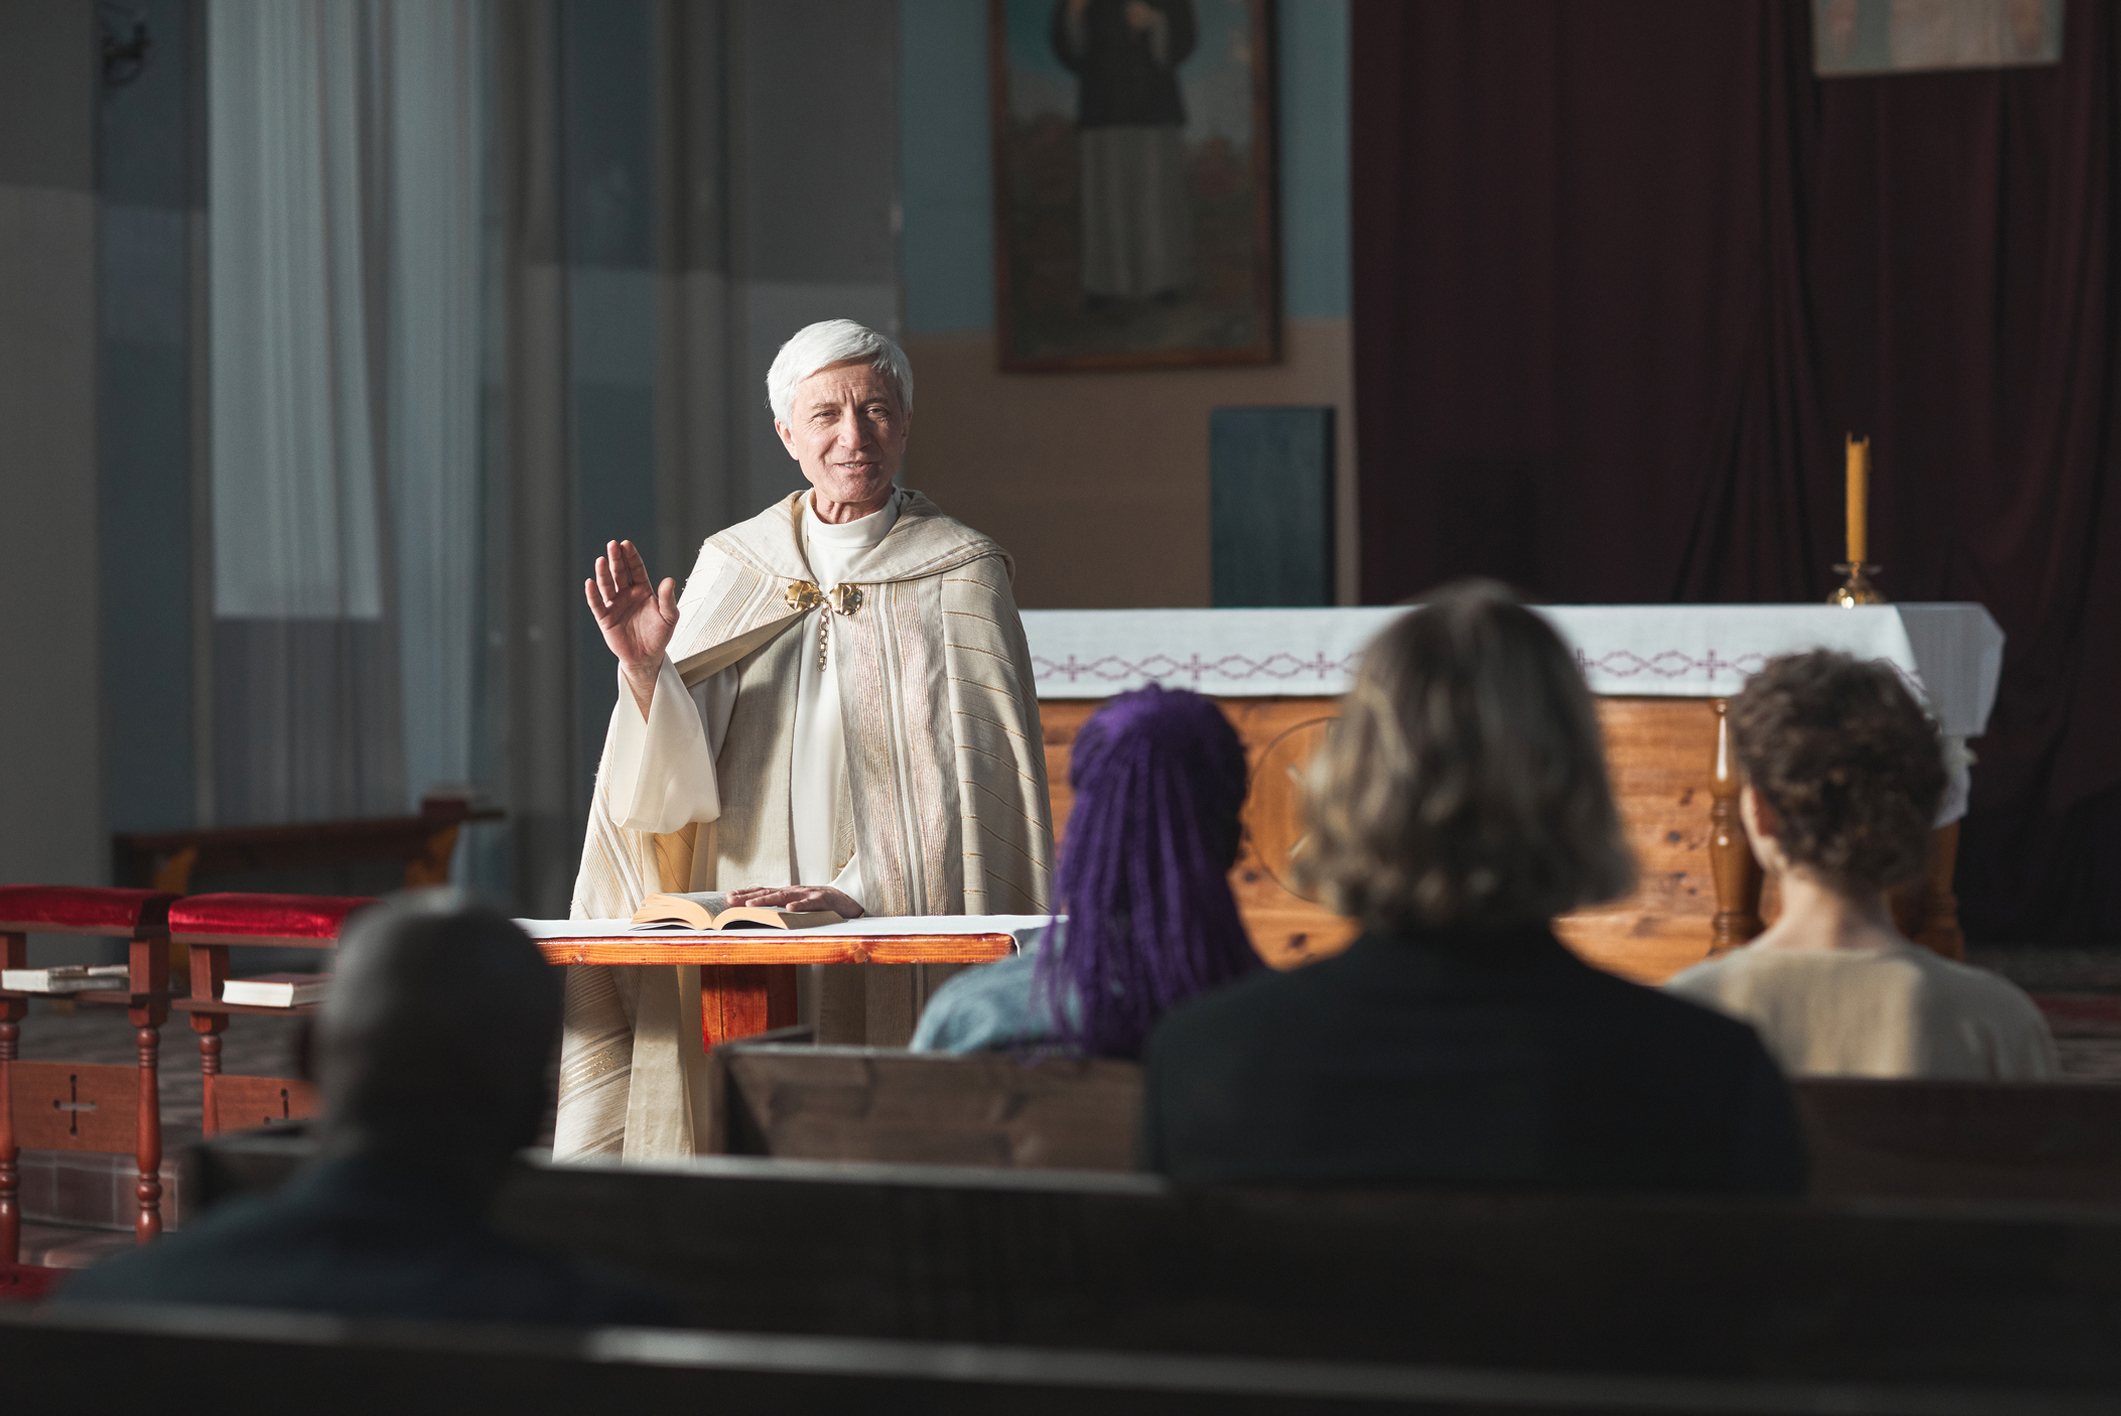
[[1843, 772]]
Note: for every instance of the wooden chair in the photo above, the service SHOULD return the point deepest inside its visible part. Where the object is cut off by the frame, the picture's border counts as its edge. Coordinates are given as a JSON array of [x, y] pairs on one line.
[[210, 925], [883, 1104], [140, 917]]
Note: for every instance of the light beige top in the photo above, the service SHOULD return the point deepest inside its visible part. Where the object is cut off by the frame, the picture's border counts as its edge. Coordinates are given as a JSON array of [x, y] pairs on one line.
[[1901, 1011]]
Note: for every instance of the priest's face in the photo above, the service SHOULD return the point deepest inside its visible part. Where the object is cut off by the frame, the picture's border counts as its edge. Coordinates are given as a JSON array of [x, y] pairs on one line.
[[849, 436]]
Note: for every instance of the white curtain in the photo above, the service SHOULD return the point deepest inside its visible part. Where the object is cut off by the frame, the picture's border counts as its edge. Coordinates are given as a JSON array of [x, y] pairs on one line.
[[347, 151]]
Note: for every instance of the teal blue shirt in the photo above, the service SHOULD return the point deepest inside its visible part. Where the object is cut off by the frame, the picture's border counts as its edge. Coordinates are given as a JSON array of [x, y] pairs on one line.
[[992, 1007]]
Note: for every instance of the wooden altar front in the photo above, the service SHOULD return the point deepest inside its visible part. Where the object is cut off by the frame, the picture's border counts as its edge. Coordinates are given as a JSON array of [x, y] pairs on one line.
[[1699, 890]]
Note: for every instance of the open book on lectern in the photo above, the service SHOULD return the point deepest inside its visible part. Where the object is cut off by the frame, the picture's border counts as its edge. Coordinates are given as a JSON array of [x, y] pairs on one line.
[[710, 909]]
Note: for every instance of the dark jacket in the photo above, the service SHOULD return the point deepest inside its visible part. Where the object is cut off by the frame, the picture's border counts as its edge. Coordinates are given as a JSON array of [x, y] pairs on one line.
[[364, 1239], [1121, 82], [1488, 1061]]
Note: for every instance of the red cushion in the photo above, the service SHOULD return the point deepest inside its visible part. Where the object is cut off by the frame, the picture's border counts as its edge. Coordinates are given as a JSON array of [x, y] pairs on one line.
[[26, 1280], [271, 916], [82, 907]]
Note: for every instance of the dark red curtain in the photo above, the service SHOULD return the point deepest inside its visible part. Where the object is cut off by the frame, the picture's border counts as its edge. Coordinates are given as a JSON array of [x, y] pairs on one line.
[[1625, 273]]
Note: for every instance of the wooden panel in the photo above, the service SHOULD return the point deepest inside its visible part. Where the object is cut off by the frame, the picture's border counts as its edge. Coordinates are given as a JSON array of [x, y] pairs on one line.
[[775, 946], [76, 1106], [242, 1103], [744, 1000], [1658, 750], [856, 1104]]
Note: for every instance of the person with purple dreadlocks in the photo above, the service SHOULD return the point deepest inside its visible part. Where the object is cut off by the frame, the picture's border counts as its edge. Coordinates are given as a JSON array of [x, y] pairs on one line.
[[1144, 918]]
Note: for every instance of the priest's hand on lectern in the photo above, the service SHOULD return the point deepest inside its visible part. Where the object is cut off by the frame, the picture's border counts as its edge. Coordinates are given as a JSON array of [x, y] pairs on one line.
[[636, 615], [798, 898]]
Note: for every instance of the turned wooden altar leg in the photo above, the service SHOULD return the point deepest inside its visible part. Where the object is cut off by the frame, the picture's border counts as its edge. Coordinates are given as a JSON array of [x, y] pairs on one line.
[[150, 990], [744, 1000], [1730, 857], [149, 1223], [209, 1027], [1937, 918], [209, 970]]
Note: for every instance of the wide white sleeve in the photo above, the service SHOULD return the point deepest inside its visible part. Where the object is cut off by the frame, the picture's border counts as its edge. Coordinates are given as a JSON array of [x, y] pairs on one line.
[[662, 767], [849, 881]]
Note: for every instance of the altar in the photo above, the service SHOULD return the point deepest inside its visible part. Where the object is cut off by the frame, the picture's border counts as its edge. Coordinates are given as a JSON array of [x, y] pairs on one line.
[[1662, 674]]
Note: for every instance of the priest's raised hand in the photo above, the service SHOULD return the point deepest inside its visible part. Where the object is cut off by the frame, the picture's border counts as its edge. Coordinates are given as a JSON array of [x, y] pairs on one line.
[[636, 615]]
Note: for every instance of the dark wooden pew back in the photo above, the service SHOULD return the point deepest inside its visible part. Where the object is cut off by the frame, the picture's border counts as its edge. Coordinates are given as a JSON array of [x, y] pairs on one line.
[[1868, 1139], [267, 1364], [1965, 1140], [884, 1104], [1795, 1291]]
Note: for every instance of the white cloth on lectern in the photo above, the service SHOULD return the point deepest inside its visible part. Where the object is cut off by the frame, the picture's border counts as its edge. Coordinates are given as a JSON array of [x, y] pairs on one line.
[[663, 766]]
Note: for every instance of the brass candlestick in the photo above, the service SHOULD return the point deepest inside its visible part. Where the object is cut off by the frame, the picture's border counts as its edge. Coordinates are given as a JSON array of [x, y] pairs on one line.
[[1856, 589]]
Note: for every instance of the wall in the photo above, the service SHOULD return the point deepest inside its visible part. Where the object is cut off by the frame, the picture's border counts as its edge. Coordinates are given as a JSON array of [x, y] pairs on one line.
[[51, 789], [51, 825], [1098, 482], [151, 180]]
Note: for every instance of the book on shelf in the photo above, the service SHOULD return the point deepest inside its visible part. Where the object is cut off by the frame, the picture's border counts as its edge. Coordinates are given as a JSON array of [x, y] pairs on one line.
[[280, 990], [711, 910], [67, 978]]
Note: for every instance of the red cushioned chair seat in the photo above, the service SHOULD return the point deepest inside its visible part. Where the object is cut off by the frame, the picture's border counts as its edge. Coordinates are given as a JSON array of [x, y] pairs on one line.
[[26, 1280], [266, 916], [82, 907]]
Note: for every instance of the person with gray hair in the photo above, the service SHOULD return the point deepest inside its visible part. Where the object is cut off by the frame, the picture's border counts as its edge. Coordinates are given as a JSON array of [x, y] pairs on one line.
[[838, 714], [430, 1055], [1459, 805]]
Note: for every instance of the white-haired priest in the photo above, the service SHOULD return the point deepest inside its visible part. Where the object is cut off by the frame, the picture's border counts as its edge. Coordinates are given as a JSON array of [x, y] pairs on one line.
[[838, 714]]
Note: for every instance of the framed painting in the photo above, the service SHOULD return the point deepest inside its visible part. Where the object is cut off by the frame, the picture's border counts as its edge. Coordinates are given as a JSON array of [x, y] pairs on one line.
[[1134, 196]]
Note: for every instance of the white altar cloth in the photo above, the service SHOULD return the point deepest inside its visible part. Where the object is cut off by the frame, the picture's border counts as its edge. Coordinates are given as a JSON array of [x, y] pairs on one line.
[[1952, 654], [1020, 928]]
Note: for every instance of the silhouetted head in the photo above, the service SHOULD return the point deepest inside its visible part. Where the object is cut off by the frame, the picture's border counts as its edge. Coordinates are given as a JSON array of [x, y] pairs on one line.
[[432, 1045], [1463, 785], [1159, 779]]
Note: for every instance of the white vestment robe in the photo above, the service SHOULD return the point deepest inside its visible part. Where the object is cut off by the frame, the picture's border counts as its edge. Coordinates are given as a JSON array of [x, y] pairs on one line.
[[933, 803]]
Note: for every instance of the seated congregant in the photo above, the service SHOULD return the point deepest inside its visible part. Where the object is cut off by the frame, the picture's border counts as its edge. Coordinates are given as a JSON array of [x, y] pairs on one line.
[[431, 1052], [1460, 804], [1159, 777], [1843, 776]]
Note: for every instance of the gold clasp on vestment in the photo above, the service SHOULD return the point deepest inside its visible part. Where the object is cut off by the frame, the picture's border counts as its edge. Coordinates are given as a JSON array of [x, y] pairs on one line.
[[803, 596]]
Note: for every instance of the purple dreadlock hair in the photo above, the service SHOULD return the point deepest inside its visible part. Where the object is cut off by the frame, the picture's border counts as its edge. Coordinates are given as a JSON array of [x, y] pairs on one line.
[[1159, 776]]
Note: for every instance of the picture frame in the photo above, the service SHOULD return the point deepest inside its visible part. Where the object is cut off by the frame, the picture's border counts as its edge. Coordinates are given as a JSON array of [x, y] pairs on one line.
[[1135, 190]]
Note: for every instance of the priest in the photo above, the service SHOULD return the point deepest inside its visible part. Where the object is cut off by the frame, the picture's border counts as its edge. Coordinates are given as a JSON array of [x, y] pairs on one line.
[[838, 714]]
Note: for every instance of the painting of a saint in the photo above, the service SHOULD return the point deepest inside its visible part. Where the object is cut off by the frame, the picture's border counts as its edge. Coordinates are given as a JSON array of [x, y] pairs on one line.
[[1133, 182]]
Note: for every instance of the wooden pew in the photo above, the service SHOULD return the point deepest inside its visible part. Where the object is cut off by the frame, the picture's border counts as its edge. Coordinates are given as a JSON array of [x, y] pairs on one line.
[[2055, 1141], [272, 1363], [1868, 1139], [873, 1103], [1900, 1293]]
